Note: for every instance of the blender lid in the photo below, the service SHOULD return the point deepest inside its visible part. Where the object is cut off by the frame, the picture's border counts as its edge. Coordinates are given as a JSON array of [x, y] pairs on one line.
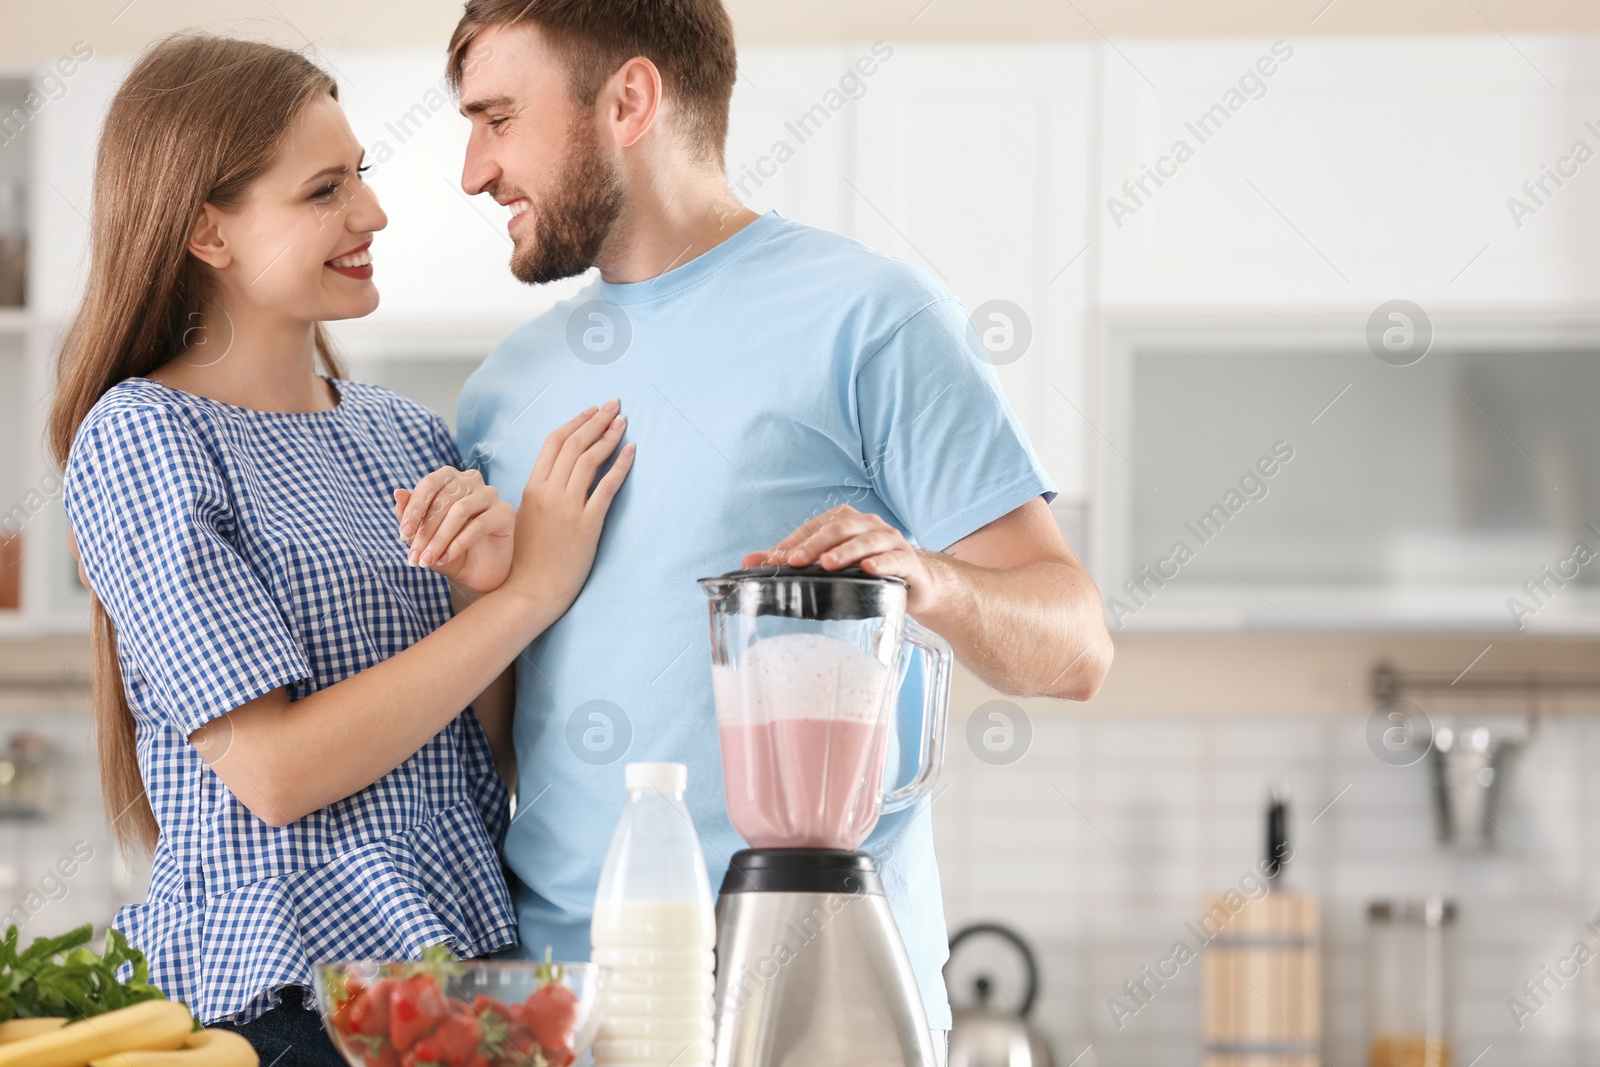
[[810, 570], [809, 592]]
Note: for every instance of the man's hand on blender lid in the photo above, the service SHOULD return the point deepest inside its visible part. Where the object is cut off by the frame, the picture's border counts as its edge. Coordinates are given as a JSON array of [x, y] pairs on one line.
[[843, 537]]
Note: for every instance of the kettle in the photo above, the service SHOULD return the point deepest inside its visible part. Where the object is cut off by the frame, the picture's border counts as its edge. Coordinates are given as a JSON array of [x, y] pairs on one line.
[[986, 1036]]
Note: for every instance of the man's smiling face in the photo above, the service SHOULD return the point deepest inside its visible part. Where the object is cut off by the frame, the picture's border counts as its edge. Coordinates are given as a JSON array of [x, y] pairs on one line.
[[537, 151]]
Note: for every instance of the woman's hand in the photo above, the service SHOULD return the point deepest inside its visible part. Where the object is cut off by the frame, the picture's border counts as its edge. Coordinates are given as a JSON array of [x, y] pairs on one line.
[[558, 524], [457, 526]]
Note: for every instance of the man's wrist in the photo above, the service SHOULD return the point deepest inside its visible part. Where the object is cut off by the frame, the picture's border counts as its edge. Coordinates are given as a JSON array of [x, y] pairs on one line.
[[948, 595]]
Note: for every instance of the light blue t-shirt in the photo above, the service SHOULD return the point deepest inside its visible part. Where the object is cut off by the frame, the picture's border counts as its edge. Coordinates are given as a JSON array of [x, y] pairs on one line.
[[784, 372]]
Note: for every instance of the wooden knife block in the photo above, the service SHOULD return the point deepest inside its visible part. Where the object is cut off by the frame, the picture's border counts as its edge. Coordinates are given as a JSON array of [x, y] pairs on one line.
[[10, 571], [1261, 982]]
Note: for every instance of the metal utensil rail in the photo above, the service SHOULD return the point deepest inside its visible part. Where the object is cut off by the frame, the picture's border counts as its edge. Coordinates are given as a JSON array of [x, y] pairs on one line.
[[1388, 683]]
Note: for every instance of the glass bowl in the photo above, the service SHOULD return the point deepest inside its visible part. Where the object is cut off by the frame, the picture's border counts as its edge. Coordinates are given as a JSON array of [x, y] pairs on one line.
[[473, 1013]]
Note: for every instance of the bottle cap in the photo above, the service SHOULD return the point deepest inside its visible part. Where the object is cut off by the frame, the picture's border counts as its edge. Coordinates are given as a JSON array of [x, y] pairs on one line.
[[668, 778]]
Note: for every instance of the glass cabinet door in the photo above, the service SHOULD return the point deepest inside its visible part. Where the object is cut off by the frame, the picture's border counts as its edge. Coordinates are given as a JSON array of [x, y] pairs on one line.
[[1441, 488]]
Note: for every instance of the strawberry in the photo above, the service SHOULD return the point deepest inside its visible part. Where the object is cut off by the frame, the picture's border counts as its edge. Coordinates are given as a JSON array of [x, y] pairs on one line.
[[484, 1004], [367, 1012], [551, 1012], [339, 1018], [452, 1043], [416, 1007], [352, 988], [514, 1046]]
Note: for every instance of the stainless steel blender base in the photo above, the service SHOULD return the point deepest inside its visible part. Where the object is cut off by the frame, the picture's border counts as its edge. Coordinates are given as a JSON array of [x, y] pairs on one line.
[[808, 978]]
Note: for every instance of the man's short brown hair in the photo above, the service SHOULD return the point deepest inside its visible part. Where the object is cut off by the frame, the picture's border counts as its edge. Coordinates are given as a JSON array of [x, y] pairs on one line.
[[689, 41]]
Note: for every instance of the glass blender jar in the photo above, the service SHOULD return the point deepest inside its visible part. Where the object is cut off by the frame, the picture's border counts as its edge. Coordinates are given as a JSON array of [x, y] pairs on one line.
[[807, 666]]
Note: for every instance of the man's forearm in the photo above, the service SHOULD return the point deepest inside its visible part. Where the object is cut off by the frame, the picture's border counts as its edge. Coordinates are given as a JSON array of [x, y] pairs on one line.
[[1032, 630]]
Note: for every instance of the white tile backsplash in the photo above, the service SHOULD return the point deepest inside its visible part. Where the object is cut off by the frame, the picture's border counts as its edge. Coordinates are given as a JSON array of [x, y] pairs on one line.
[[1179, 801]]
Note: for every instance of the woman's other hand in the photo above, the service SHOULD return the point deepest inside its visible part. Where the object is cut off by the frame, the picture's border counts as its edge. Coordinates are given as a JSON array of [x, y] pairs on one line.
[[558, 524]]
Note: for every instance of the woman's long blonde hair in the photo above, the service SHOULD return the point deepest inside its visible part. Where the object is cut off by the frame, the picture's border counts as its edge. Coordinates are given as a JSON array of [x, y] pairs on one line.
[[198, 119]]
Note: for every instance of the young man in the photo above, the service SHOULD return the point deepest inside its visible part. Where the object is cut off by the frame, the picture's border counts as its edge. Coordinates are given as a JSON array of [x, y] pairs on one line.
[[795, 397]]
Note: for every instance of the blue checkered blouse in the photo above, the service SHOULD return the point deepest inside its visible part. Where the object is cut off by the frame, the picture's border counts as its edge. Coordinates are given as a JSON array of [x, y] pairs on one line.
[[237, 551]]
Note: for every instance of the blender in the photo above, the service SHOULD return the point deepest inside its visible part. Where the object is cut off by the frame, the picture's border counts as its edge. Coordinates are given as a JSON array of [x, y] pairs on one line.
[[807, 666]]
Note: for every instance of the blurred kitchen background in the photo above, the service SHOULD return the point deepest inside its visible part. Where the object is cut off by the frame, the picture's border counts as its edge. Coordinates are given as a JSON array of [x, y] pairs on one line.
[[1310, 288]]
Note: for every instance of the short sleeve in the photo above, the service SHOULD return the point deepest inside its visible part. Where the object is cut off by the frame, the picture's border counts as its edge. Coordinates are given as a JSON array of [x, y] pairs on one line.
[[942, 445], [469, 429], [151, 515], [443, 442]]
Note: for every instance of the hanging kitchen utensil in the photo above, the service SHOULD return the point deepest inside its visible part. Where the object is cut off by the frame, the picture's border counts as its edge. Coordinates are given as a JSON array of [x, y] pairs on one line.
[[1469, 754], [986, 1035], [1468, 765]]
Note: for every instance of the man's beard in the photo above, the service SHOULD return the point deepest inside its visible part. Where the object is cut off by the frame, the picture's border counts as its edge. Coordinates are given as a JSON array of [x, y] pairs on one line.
[[572, 221]]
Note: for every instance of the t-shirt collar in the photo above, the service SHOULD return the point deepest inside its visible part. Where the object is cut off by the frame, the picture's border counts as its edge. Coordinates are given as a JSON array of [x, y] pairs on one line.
[[692, 272]]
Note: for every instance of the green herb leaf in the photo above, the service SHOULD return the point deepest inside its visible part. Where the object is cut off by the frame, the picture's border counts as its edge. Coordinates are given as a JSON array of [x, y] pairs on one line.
[[61, 976]]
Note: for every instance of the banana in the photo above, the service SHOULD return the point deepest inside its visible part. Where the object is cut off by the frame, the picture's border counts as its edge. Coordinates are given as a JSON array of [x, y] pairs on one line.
[[205, 1048], [150, 1024], [17, 1029]]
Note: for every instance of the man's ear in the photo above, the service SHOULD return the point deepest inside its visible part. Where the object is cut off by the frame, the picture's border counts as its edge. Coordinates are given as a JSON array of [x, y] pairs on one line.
[[206, 242], [634, 96]]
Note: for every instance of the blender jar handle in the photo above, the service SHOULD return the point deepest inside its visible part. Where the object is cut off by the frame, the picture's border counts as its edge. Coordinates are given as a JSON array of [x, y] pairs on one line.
[[935, 711]]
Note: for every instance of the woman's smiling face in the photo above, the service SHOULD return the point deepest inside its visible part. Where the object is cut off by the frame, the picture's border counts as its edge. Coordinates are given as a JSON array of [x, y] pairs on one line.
[[299, 243]]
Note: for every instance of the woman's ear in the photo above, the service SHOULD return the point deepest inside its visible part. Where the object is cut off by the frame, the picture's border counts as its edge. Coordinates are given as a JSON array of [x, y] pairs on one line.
[[206, 242]]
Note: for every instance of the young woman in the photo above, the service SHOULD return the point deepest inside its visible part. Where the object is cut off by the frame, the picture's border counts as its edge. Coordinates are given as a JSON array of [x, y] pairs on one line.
[[280, 680]]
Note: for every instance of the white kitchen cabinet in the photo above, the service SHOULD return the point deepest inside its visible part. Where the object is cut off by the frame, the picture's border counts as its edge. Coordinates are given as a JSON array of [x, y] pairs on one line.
[[1359, 172], [1365, 170], [972, 162], [65, 132], [790, 131], [13, 421], [52, 153]]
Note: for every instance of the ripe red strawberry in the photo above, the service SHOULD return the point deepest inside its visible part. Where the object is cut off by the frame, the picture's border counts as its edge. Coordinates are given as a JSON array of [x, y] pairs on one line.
[[368, 1011], [453, 1042], [551, 1012], [416, 1007]]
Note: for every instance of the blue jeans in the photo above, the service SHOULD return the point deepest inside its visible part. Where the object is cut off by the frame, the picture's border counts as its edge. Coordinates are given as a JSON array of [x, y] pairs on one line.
[[290, 1035]]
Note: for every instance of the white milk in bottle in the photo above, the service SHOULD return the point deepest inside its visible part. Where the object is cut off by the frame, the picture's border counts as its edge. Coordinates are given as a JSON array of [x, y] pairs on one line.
[[654, 931]]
